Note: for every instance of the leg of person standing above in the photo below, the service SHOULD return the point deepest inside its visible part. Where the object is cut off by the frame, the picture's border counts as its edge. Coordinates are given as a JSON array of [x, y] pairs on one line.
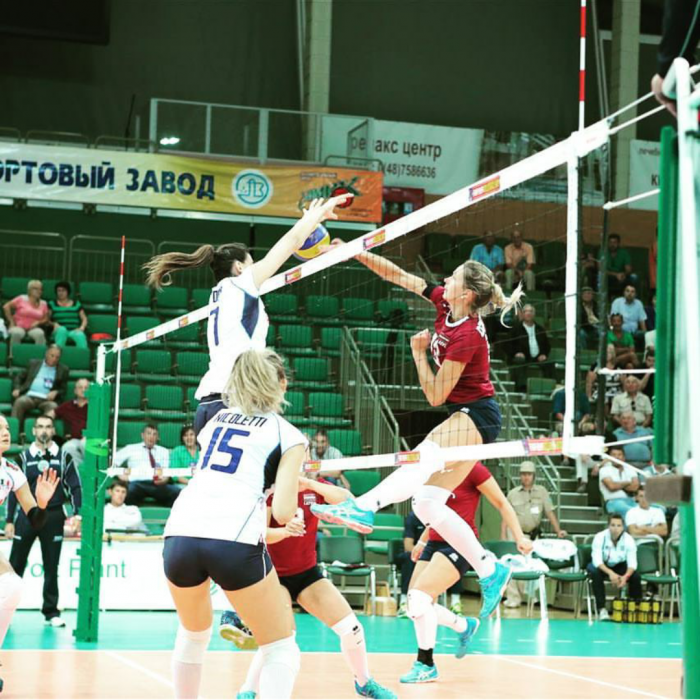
[[51, 539], [16, 334], [37, 335], [20, 407]]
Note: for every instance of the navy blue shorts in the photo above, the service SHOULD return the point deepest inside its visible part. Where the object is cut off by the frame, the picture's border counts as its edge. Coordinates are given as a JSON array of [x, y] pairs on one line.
[[190, 561], [433, 546], [296, 583], [208, 407], [485, 414]]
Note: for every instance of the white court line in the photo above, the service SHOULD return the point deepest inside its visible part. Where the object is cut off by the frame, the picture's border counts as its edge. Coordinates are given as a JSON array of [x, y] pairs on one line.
[[575, 676], [601, 641], [138, 667]]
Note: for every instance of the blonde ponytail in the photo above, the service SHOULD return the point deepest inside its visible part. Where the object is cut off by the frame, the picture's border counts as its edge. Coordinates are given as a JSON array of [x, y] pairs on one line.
[[500, 301], [255, 384], [489, 295]]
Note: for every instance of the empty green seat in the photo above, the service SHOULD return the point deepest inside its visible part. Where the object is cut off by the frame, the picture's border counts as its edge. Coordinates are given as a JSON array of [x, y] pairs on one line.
[[191, 366], [77, 360], [5, 394], [393, 310], [330, 341], [23, 353], [127, 360], [154, 518], [130, 402], [129, 433], [153, 366], [14, 286], [362, 480], [190, 401], [311, 373], [97, 296], [15, 447], [540, 388], [102, 323], [323, 309], [140, 324], [271, 338], [169, 434], [371, 341], [164, 402], [136, 299], [327, 409], [284, 307], [295, 412], [349, 442], [295, 340], [4, 353], [184, 338], [172, 301], [358, 311], [387, 527], [200, 298]]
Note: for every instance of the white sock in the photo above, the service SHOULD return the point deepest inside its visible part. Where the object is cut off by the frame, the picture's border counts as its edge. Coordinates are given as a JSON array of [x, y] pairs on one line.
[[187, 679], [10, 595], [446, 618], [352, 643], [405, 481], [188, 656], [281, 661], [403, 599], [252, 679], [422, 611], [430, 505], [455, 599]]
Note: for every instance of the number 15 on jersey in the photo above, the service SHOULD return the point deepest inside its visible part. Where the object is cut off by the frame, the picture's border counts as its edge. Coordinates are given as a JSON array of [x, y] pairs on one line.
[[219, 448]]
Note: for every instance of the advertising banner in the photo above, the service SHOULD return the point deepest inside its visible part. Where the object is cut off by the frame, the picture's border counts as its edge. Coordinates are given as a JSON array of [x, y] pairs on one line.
[[161, 181], [645, 161]]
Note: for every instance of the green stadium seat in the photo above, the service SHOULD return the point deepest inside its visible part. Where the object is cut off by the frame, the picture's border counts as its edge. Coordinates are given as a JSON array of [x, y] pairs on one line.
[[185, 338], [172, 301], [557, 326], [271, 339], [23, 353], [154, 518], [153, 366], [311, 373], [97, 296], [130, 402], [127, 361], [387, 527], [190, 401], [14, 286], [4, 353], [362, 480], [295, 340], [102, 323], [15, 446], [129, 433], [190, 367], [357, 311], [392, 309], [200, 298], [164, 402], [282, 307], [349, 442], [140, 324], [323, 309], [5, 395], [330, 341], [326, 409], [77, 360], [295, 412], [587, 358], [136, 299], [371, 341], [540, 388], [169, 434]]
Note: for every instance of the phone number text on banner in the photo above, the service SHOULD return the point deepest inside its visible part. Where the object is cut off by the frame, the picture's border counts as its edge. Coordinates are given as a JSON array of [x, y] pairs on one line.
[[176, 182]]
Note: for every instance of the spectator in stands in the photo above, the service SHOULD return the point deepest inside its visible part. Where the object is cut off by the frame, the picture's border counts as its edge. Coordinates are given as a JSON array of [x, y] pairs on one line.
[[119, 516], [634, 317], [413, 528], [519, 261], [614, 554], [186, 454], [622, 343], [655, 469], [41, 455], [589, 323], [636, 453], [528, 340], [3, 330], [321, 448], [583, 409], [148, 456], [490, 254], [74, 415], [618, 483], [530, 502], [644, 519], [647, 384], [631, 400], [41, 385], [619, 267], [68, 317], [28, 315], [587, 468], [613, 383], [588, 264]]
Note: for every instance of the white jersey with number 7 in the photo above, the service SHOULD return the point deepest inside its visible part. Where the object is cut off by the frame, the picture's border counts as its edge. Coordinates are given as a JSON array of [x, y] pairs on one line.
[[237, 322]]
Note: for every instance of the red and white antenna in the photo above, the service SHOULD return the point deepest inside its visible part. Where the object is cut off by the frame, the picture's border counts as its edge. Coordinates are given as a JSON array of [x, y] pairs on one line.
[[582, 69]]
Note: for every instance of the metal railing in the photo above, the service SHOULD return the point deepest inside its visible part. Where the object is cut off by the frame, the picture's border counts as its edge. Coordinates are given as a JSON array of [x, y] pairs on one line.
[[97, 258], [47, 259]]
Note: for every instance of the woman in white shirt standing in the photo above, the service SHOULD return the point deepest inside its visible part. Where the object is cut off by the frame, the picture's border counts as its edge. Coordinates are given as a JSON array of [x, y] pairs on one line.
[[237, 320], [218, 524]]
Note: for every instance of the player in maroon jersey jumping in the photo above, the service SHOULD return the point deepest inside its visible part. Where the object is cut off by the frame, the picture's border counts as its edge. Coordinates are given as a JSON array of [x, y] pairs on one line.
[[292, 548], [440, 566], [460, 348]]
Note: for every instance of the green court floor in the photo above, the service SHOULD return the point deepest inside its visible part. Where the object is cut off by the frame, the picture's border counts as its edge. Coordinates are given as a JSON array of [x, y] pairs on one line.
[[155, 631]]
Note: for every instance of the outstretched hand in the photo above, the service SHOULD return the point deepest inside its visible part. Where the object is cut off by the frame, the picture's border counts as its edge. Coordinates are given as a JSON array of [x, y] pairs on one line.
[[45, 487], [319, 211]]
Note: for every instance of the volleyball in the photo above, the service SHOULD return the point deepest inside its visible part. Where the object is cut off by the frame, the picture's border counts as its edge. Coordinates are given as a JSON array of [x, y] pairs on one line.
[[313, 244]]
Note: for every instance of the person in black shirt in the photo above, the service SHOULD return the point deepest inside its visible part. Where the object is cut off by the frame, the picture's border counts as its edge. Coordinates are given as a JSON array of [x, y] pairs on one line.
[[44, 454]]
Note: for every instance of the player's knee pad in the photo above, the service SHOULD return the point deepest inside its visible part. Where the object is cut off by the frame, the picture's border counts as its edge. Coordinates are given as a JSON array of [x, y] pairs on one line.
[[431, 460], [350, 630], [190, 646], [418, 603], [429, 505], [284, 652], [10, 590]]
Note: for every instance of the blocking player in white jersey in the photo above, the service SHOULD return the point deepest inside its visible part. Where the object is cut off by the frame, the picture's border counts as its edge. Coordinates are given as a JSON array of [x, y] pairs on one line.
[[217, 526], [237, 319], [12, 478]]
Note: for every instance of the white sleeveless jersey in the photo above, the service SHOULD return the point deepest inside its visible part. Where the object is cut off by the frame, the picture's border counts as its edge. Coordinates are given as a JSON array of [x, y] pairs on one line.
[[237, 323], [225, 499], [11, 479]]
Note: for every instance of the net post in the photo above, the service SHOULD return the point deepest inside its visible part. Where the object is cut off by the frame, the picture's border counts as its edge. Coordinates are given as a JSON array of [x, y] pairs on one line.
[[91, 471]]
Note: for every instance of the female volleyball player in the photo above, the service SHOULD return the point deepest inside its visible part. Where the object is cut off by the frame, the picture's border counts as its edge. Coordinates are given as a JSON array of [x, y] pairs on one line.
[[12, 478], [237, 319], [439, 566], [217, 526], [292, 548], [460, 349]]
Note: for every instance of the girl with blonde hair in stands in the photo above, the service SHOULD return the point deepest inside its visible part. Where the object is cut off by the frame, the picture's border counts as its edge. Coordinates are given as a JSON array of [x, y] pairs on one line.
[[216, 530], [237, 318], [460, 348]]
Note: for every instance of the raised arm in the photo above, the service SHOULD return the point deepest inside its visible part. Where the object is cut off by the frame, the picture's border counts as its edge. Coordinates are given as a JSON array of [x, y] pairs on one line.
[[329, 492], [390, 272]]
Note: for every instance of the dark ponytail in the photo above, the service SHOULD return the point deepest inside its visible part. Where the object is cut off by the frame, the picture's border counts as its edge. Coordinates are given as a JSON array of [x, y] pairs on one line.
[[219, 259]]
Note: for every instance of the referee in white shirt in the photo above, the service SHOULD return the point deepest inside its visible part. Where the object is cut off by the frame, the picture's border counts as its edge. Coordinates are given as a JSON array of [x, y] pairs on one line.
[[614, 555], [144, 459]]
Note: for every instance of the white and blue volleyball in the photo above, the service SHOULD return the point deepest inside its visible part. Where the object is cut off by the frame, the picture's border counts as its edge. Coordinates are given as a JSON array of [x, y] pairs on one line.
[[313, 244]]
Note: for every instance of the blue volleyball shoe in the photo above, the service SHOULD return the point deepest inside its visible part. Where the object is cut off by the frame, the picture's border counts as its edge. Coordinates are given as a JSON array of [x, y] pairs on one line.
[[420, 673], [346, 514], [492, 589], [372, 689], [232, 629], [466, 637], [247, 695]]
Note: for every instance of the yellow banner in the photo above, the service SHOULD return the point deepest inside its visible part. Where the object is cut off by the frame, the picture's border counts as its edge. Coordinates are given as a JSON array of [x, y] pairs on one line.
[[162, 181]]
